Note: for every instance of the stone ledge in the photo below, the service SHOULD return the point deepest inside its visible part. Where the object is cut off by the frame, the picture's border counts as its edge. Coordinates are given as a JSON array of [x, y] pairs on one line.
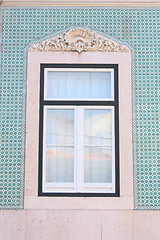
[[121, 3]]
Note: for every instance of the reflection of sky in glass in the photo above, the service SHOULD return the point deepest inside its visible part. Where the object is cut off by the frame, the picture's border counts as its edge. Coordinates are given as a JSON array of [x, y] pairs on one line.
[[98, 146], [60, 126], [98, 127], [79, 85]]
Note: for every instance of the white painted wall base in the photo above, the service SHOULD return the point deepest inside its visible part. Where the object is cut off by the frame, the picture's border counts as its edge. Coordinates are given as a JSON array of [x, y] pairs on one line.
[[79, 225]]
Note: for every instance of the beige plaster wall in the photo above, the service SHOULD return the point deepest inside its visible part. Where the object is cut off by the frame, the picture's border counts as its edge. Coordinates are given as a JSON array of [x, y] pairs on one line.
[[79, 225]]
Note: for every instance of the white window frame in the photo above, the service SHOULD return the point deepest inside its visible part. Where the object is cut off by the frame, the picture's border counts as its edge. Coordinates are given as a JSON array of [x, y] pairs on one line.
[[78, 186], [79, 70]]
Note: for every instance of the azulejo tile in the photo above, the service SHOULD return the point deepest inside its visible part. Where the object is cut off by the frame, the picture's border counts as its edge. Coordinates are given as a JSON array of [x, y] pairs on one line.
[[137, 27]]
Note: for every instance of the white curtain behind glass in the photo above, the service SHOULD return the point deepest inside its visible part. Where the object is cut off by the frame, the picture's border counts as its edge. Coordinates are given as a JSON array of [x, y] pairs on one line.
[[78, 85], [59, 147], [98, 146]]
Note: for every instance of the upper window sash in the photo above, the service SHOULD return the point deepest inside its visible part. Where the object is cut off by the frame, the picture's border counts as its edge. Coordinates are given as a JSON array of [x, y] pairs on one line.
[[90, 84]]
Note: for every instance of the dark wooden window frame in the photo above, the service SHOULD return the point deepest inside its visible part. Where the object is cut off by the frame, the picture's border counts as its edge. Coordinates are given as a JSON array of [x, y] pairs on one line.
[[80, 103]]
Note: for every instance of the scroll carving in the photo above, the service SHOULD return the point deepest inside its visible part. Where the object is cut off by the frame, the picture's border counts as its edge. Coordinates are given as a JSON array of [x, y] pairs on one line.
[[79, 40]]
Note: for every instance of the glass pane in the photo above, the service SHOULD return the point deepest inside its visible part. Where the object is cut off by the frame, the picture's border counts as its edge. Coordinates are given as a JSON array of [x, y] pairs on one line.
[[97, 165], [60, 126], [59, 164], [78, 85], [98, 127]]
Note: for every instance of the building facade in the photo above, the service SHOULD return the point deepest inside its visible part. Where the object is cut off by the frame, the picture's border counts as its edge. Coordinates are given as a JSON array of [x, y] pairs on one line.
[[110, 189]]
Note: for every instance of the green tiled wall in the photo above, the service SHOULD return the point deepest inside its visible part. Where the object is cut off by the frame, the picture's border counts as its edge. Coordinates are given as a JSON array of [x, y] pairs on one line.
[[137, 27]]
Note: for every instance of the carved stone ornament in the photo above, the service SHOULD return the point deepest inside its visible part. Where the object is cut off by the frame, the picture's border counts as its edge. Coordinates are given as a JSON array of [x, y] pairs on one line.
[[79, 40]]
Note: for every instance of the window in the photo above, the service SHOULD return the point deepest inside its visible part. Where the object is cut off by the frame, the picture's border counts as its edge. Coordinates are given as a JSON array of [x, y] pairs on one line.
[[36, 189], [78, 149]]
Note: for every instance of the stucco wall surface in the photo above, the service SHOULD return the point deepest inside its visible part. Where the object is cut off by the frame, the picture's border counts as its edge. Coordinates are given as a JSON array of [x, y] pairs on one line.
[[79, 224]]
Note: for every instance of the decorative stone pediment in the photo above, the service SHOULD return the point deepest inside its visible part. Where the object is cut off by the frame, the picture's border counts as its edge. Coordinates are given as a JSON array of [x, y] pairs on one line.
[[79, 40]]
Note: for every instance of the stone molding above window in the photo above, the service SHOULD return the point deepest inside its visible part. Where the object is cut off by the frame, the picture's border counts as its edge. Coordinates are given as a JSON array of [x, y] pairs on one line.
[[79, 40]]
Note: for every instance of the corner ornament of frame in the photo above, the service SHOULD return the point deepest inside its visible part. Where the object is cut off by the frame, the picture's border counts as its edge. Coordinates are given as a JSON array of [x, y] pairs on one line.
[[79, 40]]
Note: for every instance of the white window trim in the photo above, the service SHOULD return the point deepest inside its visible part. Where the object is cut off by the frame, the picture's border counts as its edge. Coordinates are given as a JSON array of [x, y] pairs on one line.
[[79, 70], [78, 186]]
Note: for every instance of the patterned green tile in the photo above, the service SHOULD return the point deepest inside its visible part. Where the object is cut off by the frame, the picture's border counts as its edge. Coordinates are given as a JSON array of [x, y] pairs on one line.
[[137, 27]]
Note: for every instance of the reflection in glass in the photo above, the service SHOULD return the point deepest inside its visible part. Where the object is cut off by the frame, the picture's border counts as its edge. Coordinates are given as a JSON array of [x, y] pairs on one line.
[[60, 126], [59, 148], [59, 164], [98, 145], [97, 165], [98, 127]]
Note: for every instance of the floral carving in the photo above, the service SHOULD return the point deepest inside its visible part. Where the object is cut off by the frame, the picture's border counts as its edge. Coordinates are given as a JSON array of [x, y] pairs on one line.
[[79, 40]]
